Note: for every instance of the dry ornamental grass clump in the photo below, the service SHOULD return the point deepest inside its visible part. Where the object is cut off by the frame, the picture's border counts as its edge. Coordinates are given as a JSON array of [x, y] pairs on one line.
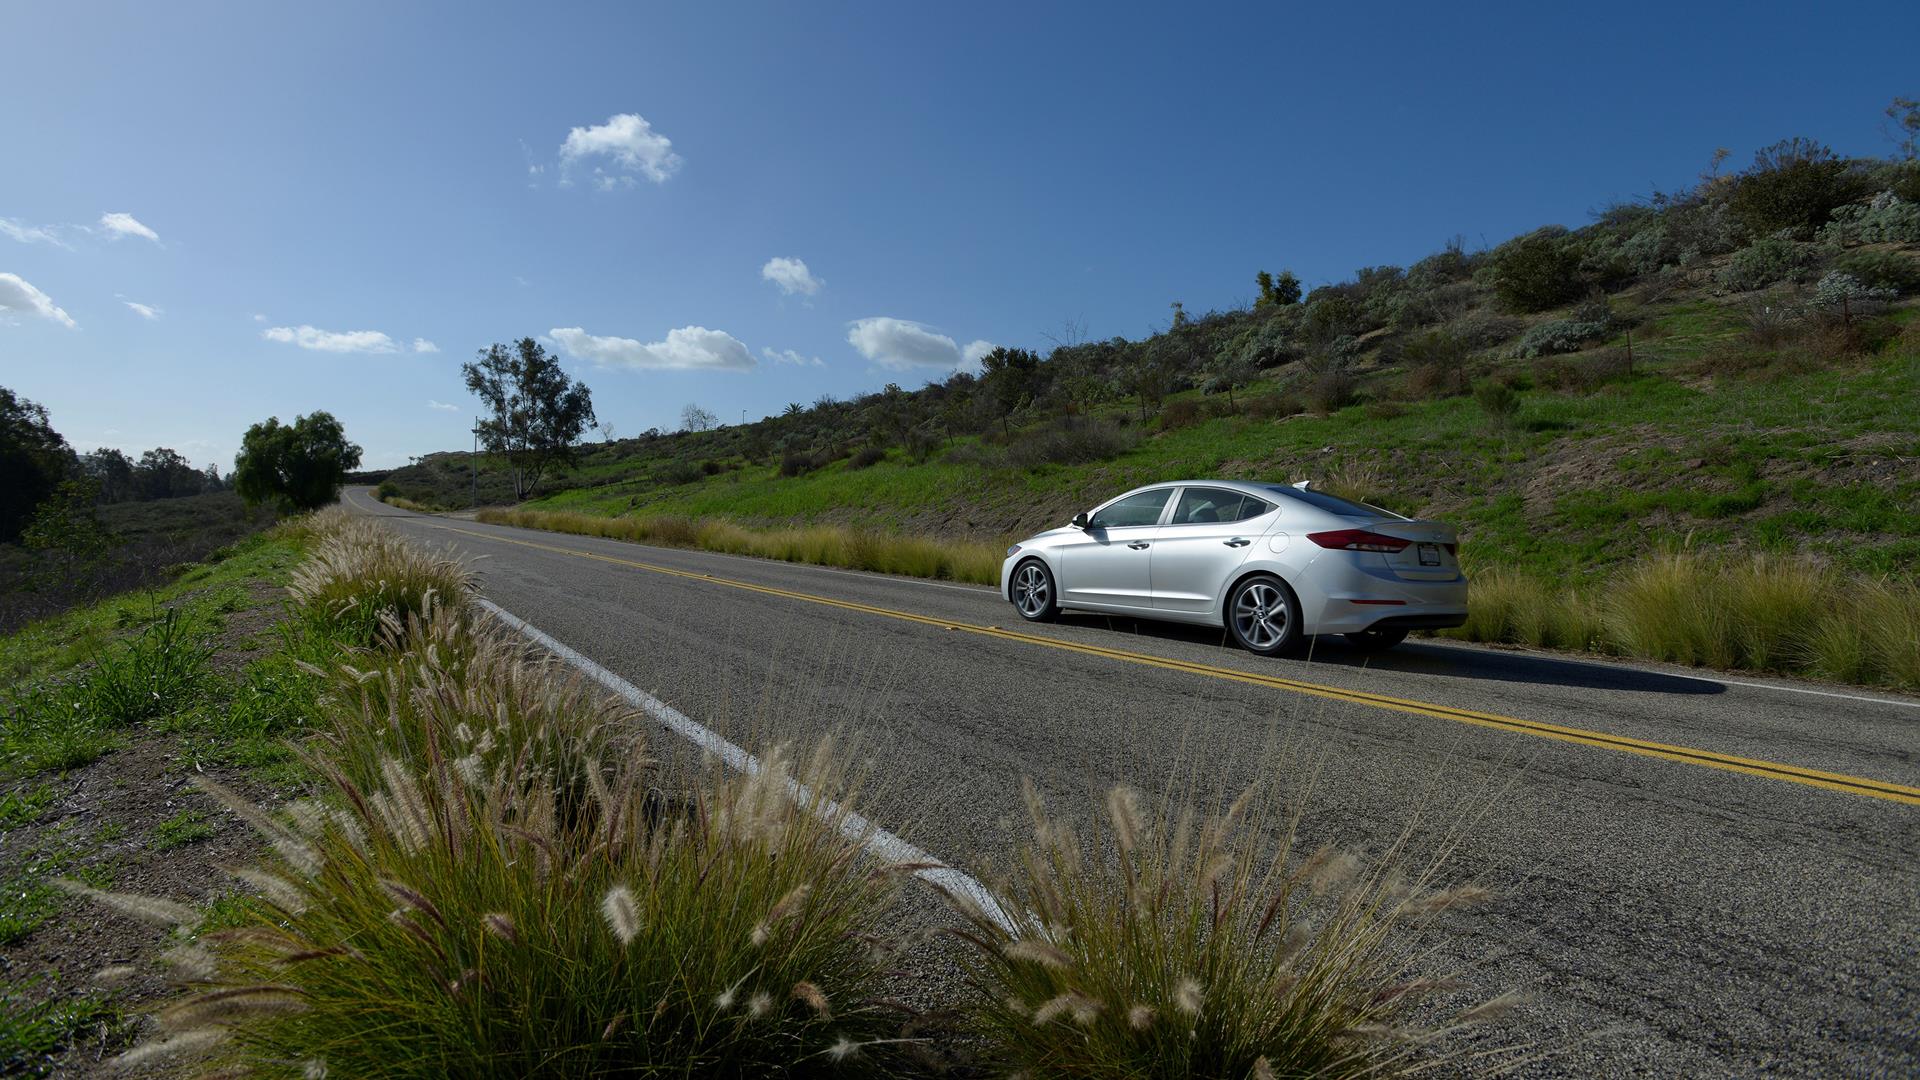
[[442, 923], [362, 579], [1178, 945]]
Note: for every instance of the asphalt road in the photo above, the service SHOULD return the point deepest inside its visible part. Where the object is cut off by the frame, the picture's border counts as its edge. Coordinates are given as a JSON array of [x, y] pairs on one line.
[[1694, 876]]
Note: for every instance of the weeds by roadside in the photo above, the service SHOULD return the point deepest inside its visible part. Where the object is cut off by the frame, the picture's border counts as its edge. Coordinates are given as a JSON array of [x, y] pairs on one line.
[[820, 545], [1175, 944], [1760, 613]]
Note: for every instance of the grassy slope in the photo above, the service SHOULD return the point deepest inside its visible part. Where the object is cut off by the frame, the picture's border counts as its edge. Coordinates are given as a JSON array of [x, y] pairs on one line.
[[1814, 461]]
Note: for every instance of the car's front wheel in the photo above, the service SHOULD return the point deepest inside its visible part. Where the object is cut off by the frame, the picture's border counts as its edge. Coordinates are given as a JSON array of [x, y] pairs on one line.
[[1263, 615], [1376, 640], [1034, 595]]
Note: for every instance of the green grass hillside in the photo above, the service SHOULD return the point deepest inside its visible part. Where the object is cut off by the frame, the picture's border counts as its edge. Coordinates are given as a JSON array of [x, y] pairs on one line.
[[1735, 367]]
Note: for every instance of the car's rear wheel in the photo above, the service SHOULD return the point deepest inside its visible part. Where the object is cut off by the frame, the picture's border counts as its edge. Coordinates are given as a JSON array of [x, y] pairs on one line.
[[1376, 640], [1263, 615], [1034, 595]]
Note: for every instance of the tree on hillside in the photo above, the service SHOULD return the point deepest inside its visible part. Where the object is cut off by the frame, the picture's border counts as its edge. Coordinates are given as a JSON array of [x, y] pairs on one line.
[[1277, 292], [297, 466], [1905, 114], [164, 474], [66, 532], [34, 459], [695, 418], [539, 413], [114, 472]]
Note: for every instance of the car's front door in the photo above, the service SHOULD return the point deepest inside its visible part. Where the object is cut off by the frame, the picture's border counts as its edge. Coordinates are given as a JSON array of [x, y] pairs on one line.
[[1107, 566], [1206, 538]]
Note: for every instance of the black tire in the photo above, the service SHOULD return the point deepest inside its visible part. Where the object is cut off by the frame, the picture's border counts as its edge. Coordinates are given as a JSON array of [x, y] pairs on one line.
[[1034, 594], [1376, 640], [1251, 613]]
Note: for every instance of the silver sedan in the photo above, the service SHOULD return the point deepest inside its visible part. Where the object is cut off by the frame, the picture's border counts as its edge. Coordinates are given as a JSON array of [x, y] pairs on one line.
[[1272, 563]]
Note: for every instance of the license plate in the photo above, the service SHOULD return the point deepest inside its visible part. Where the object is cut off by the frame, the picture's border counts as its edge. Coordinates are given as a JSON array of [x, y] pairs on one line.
[[1429, 554]]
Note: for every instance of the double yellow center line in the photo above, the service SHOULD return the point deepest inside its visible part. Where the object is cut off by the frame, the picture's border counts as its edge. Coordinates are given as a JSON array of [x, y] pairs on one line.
[[1772, 770]]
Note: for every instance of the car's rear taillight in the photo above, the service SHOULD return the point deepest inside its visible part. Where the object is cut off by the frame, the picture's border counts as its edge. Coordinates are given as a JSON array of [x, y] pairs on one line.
[[1358, 540]]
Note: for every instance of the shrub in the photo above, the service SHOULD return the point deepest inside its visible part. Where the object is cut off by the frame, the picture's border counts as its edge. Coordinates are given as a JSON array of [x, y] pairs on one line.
[[795, 464], [1580, 375], [1537, 271], [680, 472], [1765, 262], [1889, 270], [1181, 413], [1888, 219], [1497, 399], [1483, 330], [1272, 406], [1559, 336], [867, 456], [1793, 185], [1180, 945], [1069, 442], [1842, 290], [711, 467], [1431, 382], [364, 581], [1332, 389]]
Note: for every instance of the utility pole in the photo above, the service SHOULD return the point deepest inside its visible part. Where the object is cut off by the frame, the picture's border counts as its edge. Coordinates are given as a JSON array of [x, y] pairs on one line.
[[473, 465]]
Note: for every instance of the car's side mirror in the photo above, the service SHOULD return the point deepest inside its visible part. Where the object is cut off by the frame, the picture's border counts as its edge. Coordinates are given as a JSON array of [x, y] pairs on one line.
[[1080, 520]]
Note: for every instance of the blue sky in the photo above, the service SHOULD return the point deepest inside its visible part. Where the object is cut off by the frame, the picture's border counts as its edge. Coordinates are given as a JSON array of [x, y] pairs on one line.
[[307, 191]]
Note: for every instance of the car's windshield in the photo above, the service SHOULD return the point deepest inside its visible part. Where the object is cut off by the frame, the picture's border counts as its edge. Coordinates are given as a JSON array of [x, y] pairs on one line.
[[1332, 504]]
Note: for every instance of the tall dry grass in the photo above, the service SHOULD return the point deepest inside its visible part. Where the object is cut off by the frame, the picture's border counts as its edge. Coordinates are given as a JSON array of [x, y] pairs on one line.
[[820, 545], [1173, 944], [363, 582], [1756, 613]]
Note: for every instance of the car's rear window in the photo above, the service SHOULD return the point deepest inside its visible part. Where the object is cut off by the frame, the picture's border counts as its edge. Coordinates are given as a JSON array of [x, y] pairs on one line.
[[1332, 504]]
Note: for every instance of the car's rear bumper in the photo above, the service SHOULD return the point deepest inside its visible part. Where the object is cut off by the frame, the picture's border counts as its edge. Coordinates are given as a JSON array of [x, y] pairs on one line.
[[1366, 599]]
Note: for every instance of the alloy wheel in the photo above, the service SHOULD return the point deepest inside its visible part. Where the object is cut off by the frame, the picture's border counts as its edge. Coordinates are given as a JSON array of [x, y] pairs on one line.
[[1260, 615]]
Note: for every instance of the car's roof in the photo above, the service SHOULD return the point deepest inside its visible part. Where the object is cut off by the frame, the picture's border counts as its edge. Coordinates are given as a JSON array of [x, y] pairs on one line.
[[1249, 486]]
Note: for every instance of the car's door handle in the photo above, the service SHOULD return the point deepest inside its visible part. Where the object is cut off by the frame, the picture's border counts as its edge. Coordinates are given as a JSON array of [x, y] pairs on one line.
[[1238, 541], [1138, 545]]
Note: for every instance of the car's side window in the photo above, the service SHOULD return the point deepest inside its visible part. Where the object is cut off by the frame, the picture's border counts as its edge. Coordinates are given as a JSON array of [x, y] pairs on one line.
[[1141, 509], [1251, 507], [1205, 506]]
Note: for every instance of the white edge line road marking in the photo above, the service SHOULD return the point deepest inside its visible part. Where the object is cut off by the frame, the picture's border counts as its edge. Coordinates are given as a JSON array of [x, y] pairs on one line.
[[1449, 643], [879, 841]]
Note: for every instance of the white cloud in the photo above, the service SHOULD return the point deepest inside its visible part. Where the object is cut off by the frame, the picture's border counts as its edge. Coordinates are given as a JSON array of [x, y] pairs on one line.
[[901, 344], [145, 311], [442, 406], [18, 294], [970, 356], [119, 225], [628, 142], [421, 344], [333, 341], [33, 234], [788, 356], [690, 348], [792, 276], [257, 317]]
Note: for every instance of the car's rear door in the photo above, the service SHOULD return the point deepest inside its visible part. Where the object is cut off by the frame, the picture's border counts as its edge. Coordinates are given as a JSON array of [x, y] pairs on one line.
[[1106, 566], [1205, 539]]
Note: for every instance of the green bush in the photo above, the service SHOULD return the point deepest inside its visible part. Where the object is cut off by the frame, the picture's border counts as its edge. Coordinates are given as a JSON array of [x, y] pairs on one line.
[[1070, 442], [1768, 261], [1535, 272], [1559, 336], [1888, 219], [1497, 399], [1891, 270], [1794, 185]]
